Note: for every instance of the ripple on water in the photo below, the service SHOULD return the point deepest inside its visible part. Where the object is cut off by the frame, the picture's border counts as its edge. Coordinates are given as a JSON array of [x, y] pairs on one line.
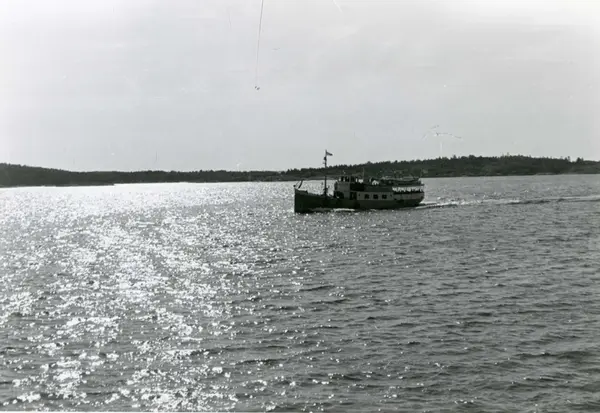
[[217, 297]]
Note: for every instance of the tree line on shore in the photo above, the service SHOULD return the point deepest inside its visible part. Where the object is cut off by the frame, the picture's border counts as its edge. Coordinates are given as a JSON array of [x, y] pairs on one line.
[[19, 175]]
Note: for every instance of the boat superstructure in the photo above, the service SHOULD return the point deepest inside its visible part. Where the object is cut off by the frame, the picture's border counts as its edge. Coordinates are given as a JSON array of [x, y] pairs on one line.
[[355, 192]]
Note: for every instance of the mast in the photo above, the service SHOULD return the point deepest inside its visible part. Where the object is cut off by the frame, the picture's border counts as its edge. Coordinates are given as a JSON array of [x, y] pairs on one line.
[[327, 153], [325, 174]]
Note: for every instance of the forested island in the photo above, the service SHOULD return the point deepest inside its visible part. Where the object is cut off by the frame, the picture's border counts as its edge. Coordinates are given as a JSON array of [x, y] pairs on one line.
[[19, 175]]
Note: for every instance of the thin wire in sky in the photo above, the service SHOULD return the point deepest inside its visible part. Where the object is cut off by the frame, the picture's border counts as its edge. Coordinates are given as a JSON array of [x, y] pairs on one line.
[[262, 4], [338, 6]]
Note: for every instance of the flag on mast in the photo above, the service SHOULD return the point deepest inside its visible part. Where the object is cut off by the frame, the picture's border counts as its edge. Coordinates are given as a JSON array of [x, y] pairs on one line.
[[327, 153]]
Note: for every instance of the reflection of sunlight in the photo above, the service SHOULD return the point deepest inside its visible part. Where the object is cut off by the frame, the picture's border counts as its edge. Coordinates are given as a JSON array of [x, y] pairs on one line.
[[215, 297]]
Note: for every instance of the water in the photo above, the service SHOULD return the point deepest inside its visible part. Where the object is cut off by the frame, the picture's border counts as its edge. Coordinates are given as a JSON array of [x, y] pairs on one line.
[[218, 297]]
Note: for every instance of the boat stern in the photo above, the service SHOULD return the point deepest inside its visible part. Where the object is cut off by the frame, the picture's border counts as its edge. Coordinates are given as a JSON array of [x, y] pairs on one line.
[[305, 202]]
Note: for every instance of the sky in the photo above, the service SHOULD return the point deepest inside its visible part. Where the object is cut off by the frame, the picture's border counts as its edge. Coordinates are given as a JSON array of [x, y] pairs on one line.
[[183, 85]]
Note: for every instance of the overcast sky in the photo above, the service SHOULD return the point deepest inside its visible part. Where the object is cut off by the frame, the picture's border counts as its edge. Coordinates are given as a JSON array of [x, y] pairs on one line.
[[149, 84]]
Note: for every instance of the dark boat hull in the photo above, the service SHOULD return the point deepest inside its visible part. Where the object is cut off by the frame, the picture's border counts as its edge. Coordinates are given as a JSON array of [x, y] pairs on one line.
[[305, 202]]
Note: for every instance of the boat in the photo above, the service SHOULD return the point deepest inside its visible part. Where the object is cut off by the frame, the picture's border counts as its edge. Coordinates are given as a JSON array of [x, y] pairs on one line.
[[360, 193]]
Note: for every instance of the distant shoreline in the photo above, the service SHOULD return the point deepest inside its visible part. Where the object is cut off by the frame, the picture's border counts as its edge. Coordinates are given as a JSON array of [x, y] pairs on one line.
[[12, 176], [90, 185]]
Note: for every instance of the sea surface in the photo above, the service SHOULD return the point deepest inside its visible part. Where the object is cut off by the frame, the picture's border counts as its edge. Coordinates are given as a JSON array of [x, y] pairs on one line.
[[218, 297]]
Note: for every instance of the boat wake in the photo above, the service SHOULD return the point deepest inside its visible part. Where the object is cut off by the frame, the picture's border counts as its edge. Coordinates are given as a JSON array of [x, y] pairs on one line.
[[536, 201], [446, 204], [589, 198]]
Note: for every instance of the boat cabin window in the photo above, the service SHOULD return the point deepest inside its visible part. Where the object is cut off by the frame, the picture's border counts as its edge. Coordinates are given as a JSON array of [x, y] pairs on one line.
[[383, 196], [366, 196], [375, 196], [347, 179]]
